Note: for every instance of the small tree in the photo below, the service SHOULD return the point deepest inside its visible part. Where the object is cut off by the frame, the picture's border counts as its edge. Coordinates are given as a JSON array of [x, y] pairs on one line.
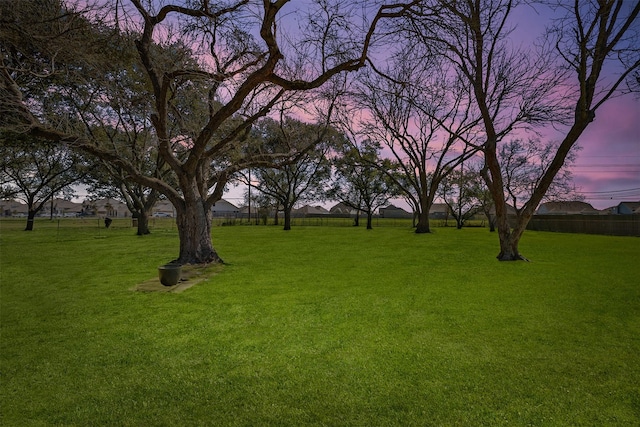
[[523, 163], [261, 205], [478, 190], [304, 178], [37, 170], [106, 181], [457, 193], [361, 181]]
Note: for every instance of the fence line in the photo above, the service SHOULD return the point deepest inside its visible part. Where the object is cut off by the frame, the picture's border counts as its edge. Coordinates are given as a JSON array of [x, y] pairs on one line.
[[615, 225]]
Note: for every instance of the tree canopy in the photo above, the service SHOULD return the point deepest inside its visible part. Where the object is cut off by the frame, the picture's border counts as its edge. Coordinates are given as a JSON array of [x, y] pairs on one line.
[[210, 71]]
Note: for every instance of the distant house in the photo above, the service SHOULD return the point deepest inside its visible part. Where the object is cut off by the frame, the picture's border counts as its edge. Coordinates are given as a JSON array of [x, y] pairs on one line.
[[392, 211], [225, 209], [342, 209], [628, 208], [439, 211], [12, 208], [566, 208], [308, 210], [61, 208], [511, 211], [106, 208]]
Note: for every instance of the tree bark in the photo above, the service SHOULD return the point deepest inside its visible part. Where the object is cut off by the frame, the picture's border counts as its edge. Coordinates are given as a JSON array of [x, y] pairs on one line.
[[369, 220], [287, 218], [492, 223], [508, 242], [423, 223], [194, 229], [30, 219], [143, 223]]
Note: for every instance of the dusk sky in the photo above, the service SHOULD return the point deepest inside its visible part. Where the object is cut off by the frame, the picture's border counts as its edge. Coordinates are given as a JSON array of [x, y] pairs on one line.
[[607, 169]]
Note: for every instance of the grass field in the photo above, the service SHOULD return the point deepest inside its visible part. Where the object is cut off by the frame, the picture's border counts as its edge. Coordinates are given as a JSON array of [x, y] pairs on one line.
[[318, 326]]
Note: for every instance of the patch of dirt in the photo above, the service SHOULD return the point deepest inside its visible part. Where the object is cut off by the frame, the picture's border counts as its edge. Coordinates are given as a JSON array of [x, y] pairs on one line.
[[191, 276]]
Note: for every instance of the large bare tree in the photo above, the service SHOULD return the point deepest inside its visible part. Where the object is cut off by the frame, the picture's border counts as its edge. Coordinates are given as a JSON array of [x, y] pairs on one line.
[[418, 111], [588, 56], [245, 64]]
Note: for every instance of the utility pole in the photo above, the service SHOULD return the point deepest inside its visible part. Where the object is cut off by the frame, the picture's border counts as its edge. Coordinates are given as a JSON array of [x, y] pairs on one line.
[[249, 212]]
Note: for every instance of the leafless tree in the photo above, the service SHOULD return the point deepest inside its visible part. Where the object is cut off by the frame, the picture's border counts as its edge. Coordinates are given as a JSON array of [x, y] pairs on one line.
[[457, 192], [523, 164], [419, 112], [590, 51]]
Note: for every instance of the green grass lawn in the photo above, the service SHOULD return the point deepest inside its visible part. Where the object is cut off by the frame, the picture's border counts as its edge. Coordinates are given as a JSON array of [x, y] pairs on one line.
[[319, 326]]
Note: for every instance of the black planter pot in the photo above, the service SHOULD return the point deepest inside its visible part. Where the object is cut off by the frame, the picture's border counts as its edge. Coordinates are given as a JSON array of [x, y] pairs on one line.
[[170, 274]]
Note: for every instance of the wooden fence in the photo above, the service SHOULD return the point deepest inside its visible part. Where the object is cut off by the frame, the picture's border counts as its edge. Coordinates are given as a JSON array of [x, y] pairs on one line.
[[615, 225]]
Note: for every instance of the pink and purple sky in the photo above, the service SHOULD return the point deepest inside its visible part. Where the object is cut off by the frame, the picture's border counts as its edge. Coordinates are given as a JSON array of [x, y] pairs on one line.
[[607, 169]]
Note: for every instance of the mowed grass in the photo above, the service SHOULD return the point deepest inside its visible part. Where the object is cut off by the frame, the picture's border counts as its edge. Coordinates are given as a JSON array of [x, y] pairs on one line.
[[319, 326]]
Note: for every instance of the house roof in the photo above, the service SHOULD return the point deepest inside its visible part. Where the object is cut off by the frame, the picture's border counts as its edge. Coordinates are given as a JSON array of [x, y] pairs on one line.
[[392, 211], [342, 208], [224, 206], [393, 208], [566, 207], [62, 205], [312, 210], [439, 207], [13, 206], [631, 205]]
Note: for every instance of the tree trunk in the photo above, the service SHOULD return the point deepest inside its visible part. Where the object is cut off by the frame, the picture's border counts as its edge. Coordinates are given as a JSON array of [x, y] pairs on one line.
[[143, 223], [194, 228], [510, 238], [30, 219], [509, 250], [425, 201], [423, 223], [508, 246], [356, 220], [369, 220], [287, 218], [492, 221]]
